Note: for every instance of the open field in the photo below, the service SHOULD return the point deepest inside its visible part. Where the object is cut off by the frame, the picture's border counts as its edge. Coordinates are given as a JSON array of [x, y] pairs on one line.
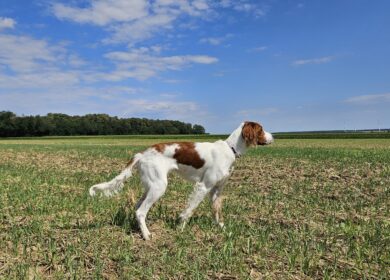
[[298, 209]]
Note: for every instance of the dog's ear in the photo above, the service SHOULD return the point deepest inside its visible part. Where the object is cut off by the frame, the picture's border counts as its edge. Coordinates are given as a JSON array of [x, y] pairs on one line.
[[250, 133]]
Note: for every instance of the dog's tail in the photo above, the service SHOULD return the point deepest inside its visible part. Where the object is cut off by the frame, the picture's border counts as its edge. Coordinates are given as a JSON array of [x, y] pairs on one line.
[[115, 185]]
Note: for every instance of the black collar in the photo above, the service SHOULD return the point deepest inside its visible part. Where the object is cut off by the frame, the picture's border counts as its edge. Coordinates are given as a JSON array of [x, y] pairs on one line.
[[235, 152]]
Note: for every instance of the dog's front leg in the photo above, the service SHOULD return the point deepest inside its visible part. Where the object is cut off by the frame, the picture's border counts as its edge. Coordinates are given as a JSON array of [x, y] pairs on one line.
[[216, 200]]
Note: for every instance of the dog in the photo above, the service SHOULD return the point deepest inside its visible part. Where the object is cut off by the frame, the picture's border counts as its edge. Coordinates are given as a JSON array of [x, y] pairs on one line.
[[208, 165]]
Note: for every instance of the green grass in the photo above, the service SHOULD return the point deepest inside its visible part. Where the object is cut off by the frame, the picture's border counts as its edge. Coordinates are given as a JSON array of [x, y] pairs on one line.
[[296, 209]]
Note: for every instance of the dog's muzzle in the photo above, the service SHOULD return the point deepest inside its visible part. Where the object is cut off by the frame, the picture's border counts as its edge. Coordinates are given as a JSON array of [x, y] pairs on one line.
[[268, 138]]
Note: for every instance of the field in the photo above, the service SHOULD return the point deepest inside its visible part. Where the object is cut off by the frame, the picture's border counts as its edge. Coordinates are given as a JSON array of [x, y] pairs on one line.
[[298, 209]]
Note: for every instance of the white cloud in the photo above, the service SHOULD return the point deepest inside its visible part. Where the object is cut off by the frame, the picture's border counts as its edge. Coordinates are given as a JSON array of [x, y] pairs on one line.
[[139, 30], [49, 78], [166, 107], [225, 3], [39, 80], [143, 63], [7, 23], [103, 12], [131, 21], [116, 101], [212, 40], [200, 5], [169, 95], [28, 63], [137, 20], [369, 99], [215, 40], [70, 99], [162, 15], [22, 54], [319, 60], [76, 61], [245, 6], [192, 8]]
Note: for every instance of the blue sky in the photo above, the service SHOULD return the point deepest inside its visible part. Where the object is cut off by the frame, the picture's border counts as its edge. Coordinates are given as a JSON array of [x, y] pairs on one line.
[[291, 65]]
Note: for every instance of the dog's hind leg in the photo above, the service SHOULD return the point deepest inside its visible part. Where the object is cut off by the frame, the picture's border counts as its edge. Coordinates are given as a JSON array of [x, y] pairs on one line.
[[216, 200], [153, 191]]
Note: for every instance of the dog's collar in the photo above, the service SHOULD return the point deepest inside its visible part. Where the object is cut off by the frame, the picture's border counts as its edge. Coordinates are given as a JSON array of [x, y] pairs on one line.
[[235, 152]]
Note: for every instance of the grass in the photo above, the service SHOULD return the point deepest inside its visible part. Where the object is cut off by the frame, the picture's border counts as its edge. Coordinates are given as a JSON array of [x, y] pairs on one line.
[[298, 209]]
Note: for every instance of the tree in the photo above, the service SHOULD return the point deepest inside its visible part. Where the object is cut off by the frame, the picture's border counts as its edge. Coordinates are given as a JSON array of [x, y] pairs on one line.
[[91, 124], [198, 129], [7, 123]]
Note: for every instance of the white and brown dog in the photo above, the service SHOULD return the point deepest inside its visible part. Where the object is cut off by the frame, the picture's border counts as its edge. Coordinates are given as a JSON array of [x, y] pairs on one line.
[[206, 164]]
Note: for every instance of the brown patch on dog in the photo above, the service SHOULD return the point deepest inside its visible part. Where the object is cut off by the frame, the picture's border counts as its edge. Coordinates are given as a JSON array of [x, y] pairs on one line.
[[186, 154], [253, 134], [160, 147]]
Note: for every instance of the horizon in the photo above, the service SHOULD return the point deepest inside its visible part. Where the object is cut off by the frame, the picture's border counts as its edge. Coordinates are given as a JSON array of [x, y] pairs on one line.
[[227, 133], [290, 65]]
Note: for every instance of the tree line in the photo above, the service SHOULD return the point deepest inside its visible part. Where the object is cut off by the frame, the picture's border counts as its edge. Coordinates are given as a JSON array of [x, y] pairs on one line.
[[54, 124]]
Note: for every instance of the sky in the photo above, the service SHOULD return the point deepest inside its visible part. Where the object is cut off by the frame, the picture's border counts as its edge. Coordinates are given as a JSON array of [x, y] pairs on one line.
[[290, 65]]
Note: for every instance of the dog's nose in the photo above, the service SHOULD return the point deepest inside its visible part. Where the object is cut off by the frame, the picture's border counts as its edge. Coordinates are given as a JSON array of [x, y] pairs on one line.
[[269, 138]]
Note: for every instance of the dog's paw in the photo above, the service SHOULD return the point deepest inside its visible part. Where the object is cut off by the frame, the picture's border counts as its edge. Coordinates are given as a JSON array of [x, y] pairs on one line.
[[146, 235], [92, 191]]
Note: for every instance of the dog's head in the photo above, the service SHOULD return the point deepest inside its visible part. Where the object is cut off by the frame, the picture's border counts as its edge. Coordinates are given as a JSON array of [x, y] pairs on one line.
[[254, 134]]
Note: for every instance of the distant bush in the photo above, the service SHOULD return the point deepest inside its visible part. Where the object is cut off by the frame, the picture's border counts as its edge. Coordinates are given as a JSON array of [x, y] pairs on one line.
[[332, 135], [12, 125]]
